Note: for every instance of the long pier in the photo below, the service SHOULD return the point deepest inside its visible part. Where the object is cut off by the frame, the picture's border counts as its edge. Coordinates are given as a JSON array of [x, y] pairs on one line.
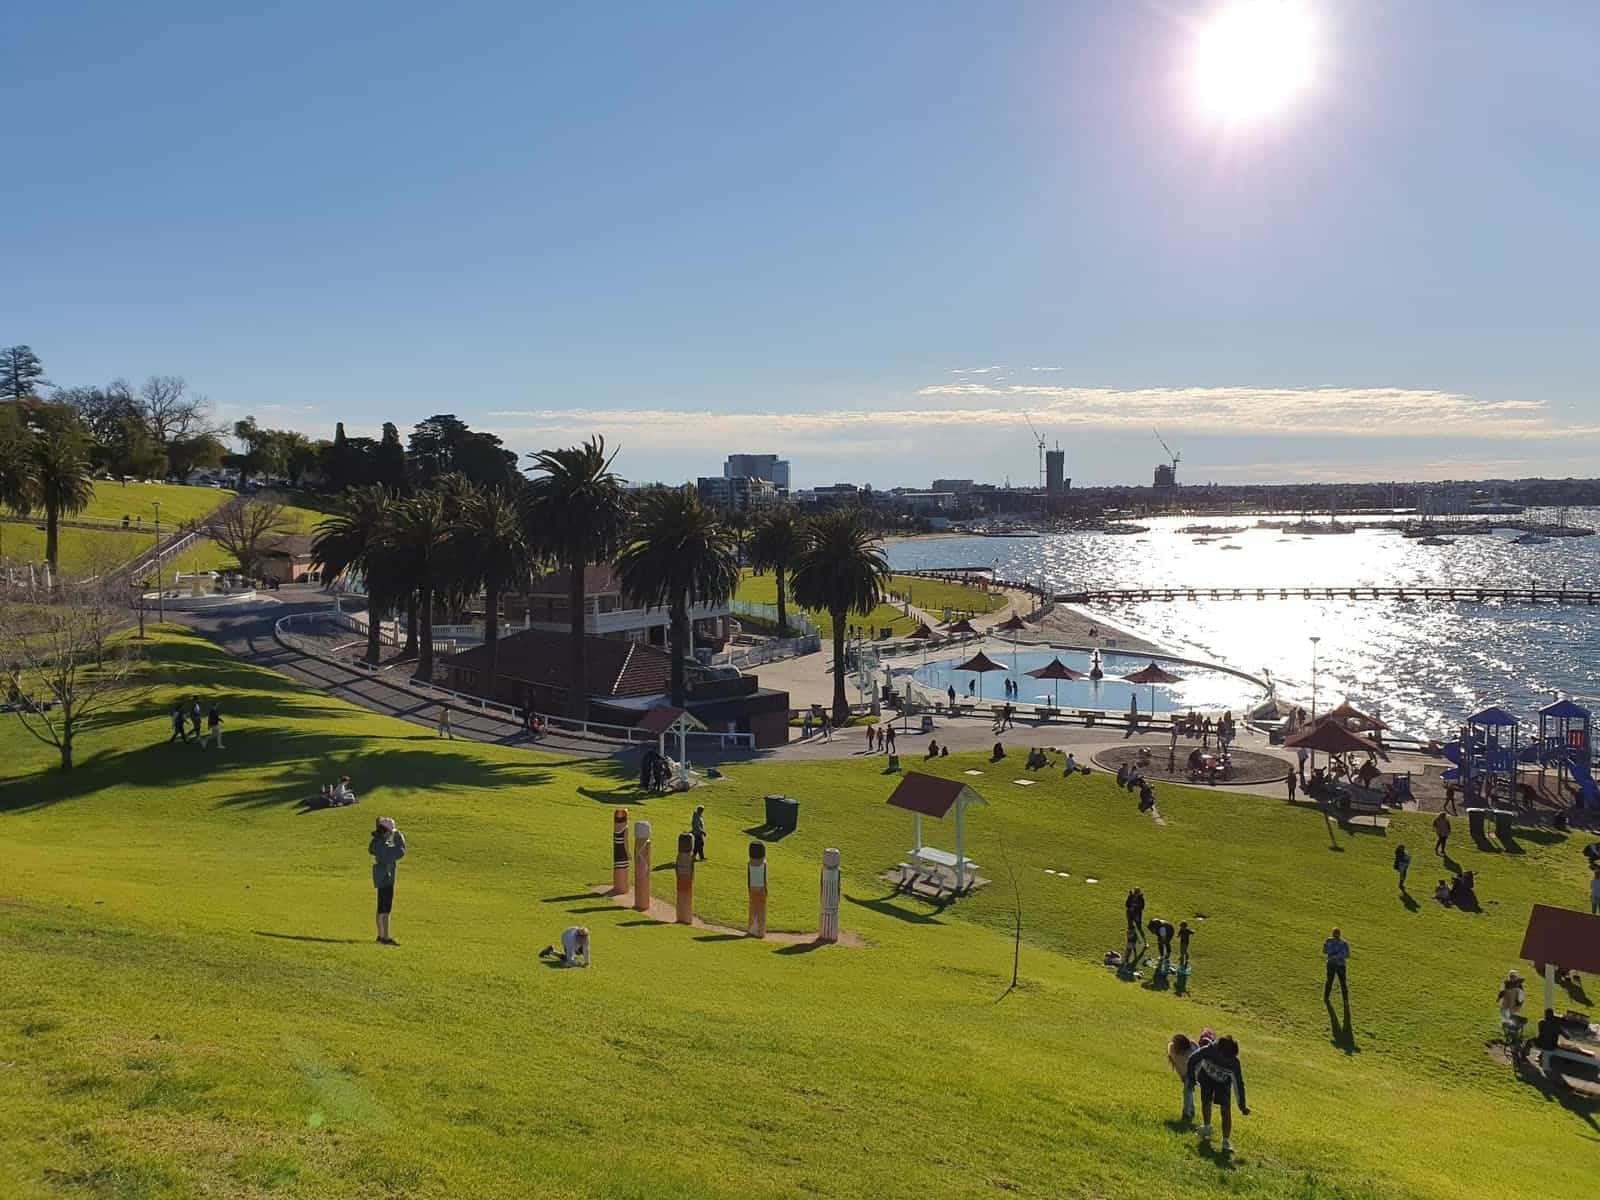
[[1433, 592]]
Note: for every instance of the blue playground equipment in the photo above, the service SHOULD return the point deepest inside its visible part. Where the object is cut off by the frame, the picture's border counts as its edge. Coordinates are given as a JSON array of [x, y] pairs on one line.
[[1486, 757], [1565, 741]]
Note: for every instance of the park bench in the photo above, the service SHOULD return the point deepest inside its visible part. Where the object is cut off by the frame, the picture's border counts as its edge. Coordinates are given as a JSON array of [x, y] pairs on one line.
[[1088, 716], [1363, 806]]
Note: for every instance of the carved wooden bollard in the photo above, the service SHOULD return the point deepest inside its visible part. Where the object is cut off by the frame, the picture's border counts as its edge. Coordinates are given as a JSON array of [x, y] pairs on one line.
[[685, 871], [757, 873], [619, 852], [641, 866], [828, 921]]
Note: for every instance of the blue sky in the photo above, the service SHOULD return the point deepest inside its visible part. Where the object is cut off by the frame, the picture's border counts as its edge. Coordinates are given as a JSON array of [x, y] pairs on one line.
[[868, 236]]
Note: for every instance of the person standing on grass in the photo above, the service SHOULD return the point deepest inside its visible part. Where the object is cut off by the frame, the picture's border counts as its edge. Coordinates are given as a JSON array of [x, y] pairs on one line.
[[697, 826], [1217, 1070], [1441, 832], [178, 732], [1184, 934], [1402, 864], [194, 717], [387, 847], [1337, 951], [887, 736], [1179, 1050], [213, 727], [444, 722], [1290, 781]]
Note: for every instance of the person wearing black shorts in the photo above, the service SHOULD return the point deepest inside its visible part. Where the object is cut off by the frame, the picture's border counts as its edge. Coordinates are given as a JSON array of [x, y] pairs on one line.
[[387, 847], [1217, 1070]]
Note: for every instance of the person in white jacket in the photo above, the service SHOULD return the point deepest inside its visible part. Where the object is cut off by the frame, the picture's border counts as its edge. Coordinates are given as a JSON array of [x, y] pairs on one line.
[[574, 947]]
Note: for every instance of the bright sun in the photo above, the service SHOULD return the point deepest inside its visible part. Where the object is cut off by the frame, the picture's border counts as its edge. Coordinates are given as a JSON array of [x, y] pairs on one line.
[[1253, 58]]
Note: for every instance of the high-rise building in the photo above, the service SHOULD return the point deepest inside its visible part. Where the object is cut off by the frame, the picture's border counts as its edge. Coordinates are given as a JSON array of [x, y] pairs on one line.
[[952, 485], [738, 492], [770, 467], [1055, 472], [1166, 476]]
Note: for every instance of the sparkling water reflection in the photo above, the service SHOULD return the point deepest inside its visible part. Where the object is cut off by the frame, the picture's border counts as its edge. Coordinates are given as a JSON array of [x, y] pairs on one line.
[[1422, 665]]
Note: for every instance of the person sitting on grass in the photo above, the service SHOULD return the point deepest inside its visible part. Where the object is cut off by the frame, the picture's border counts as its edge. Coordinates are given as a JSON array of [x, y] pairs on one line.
[[1462, 892], [933, 749], [574, 947], [1037, 758], [1442, 893], [1549, 1036], [998, 754], [1147, 796], [1071, 767]]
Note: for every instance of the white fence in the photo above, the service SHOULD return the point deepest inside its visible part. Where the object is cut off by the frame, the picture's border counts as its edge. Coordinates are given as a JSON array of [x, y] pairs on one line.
[[769, 612], [390, 633], [765, 652], [493, 708]]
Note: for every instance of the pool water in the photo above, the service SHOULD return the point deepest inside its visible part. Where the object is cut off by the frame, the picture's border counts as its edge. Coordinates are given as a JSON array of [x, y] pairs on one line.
[[1199, 688]]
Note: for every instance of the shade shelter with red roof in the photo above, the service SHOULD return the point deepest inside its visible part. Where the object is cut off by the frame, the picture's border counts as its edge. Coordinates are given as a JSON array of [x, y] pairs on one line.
[[930, 796], [1153, 675], [980, 664], [1055, 670], [1352, 718], [1561, 938]]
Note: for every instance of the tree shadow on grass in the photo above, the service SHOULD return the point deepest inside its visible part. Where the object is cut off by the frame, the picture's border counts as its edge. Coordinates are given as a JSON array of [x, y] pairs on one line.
[[886, 905], [1585, 1108]]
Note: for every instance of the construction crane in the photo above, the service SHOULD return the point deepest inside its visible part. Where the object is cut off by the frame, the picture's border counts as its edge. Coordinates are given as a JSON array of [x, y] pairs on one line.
[[1039, 438], [1171, 453]]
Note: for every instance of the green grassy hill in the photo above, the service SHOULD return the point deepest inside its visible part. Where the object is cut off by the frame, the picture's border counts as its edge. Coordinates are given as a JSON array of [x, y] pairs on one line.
[[930, 594], [192, 1003]]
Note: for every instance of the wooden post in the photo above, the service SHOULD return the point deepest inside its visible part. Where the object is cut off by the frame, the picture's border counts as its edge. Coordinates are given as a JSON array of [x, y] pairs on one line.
[[1550, 986], [757, 876], [828, 921], [685, 872], [641, 866], [619, 852]]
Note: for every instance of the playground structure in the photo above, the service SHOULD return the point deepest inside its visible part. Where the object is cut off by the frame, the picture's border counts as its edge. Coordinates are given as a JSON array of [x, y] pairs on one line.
[[1489, 755]]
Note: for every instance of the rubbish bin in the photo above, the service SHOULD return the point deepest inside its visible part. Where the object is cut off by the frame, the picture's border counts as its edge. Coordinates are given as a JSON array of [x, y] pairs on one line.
[[782, 813], [927, 722], [1502, 824], [1475, 823]]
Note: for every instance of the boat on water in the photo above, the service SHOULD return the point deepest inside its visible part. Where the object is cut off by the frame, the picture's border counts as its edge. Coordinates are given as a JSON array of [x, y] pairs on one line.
[[1431, 540], [1230, 546], [1530, 539]]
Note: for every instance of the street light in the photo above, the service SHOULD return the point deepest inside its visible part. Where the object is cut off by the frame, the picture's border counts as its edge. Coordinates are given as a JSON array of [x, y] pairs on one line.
[[1314, 640], [161, 601]]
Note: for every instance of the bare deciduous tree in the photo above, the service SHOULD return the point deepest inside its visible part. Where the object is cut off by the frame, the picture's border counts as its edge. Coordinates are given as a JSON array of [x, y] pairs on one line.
[[249, 527], [67, 664], [171, 411]]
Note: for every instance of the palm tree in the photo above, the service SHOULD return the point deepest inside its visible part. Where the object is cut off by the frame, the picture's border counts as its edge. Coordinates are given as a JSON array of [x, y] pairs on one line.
[[774, 547], [680, 554], [351, 540], [62, 483], [841, 569], [493, 549], [575, 512], [415, 542]]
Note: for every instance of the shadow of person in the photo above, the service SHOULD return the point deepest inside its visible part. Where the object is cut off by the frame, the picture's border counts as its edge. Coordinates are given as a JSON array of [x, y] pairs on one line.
[[1407, 899], [1450, 864]]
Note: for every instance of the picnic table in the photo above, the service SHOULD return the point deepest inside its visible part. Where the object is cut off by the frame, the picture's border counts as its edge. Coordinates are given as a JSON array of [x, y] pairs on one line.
[[934, 865]]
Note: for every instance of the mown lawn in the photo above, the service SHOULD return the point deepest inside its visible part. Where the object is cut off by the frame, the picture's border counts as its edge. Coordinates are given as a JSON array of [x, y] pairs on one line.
[[191, 1002], [179, 503], [84, 552], [930, 594]]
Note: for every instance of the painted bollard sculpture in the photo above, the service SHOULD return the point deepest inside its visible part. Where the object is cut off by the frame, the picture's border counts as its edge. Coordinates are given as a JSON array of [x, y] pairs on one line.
[[619, 852], [758, 890], [685, 870], [641, 866], [828, 921]]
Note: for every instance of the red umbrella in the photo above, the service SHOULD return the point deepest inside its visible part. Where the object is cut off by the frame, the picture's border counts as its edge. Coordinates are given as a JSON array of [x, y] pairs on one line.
[[1331, 737], [979, 663], [1153, 675], [1055, 670]]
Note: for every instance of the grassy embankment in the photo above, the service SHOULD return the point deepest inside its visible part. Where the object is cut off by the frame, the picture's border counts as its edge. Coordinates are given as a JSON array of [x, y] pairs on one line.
[[87, 552], [932, 595], [192, 1003]]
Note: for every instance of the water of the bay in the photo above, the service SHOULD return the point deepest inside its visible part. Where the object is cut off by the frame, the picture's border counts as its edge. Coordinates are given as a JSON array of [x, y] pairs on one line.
[[1424, 665]]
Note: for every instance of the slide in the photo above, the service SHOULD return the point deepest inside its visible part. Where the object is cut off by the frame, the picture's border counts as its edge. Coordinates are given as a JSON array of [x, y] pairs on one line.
[[1586, 785]]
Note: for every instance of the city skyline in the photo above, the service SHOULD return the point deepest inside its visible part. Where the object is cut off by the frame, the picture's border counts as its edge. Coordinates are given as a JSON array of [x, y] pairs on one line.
[[889, 253]]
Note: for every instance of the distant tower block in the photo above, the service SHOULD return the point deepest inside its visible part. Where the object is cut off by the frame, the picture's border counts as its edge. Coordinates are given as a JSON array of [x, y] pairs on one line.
[[619, 852], [828, 922], [685, 871], [758, 890], [641, 866]]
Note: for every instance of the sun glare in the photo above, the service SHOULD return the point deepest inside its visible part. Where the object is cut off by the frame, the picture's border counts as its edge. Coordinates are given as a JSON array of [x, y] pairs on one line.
[[1254, 58]]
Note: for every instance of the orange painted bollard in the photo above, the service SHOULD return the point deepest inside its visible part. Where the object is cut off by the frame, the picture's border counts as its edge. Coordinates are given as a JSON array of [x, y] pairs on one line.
[[684, 866], [757, 876]]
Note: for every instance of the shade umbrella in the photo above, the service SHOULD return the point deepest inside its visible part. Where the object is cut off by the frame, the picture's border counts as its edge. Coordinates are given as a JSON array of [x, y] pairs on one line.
[[961, 626], [1329, 736], [1055, 670], [1012, 625], [1153, 675], [924, 635], [980, 663]]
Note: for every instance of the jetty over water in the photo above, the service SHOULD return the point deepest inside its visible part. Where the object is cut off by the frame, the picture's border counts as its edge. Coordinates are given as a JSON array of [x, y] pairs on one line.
[[1433, 592]]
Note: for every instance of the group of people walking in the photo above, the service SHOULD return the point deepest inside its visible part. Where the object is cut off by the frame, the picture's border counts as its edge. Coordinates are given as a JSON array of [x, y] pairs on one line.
[[184, 717], [880, 739]]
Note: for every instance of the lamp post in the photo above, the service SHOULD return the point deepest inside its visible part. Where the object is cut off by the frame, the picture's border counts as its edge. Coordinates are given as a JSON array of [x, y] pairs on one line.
[[1314, 640], [161, 600]]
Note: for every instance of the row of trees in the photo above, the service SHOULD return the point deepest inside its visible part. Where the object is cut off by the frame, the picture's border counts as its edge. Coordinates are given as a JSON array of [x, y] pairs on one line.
[[458, 538]]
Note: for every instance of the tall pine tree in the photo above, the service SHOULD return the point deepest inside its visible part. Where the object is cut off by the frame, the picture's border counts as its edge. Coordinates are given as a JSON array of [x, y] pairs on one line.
[[21, 374]]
